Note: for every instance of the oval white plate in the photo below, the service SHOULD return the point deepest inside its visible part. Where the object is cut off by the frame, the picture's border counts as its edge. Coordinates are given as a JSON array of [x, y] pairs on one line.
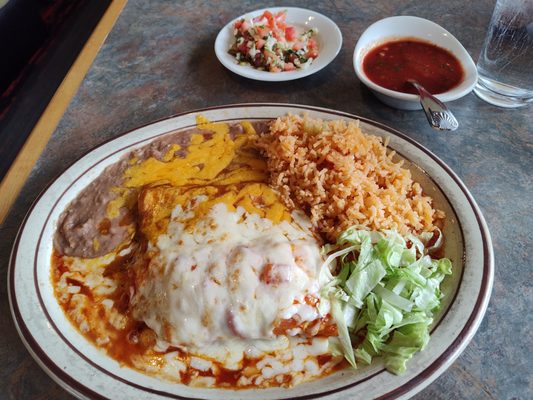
[[88, 373], [329, 40]]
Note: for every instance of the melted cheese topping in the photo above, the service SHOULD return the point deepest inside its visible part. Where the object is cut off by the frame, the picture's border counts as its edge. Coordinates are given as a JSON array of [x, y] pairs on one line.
[[230, 272], [206, 161], [233, 274], [215, 159], [156, 204]]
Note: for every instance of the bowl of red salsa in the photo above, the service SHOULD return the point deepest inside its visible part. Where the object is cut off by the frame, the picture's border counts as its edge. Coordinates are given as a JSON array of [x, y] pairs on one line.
[[396, 49]]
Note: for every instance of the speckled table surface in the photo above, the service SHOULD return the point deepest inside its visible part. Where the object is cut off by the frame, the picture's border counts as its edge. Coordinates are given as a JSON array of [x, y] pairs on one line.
[[159, 60]]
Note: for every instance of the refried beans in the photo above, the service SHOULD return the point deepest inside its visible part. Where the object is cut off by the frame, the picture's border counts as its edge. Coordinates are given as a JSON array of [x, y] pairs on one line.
[[85, 230]]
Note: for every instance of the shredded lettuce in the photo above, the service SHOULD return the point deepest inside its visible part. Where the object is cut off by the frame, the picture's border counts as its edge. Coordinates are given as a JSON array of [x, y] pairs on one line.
[[344, 336], [383, 295]]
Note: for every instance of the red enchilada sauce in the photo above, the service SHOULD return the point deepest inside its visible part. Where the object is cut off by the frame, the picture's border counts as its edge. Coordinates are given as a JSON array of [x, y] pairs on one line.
[[135, 340], [391, 64]]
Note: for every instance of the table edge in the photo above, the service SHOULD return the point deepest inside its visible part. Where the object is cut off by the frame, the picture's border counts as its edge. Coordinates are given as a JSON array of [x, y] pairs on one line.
[[18, 172]]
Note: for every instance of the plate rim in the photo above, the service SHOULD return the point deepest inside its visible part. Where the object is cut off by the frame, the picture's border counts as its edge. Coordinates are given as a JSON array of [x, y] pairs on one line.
[[264, 76], [415, 384]]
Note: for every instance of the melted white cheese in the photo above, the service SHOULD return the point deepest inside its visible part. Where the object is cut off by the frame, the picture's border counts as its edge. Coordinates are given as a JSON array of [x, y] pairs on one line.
[[227, 280]]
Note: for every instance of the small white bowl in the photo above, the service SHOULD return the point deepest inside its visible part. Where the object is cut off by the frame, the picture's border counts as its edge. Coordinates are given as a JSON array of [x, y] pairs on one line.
[[329, 39], [394, 28]]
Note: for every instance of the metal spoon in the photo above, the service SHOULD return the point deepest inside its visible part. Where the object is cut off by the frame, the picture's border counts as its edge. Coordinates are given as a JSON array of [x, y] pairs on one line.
[[438, 115]]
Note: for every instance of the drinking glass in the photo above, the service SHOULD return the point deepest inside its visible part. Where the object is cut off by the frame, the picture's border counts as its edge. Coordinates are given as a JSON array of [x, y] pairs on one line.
[[505, 65]]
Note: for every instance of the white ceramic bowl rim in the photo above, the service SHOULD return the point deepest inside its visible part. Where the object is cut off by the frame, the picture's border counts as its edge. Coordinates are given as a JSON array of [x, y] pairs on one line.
[[364, 45]]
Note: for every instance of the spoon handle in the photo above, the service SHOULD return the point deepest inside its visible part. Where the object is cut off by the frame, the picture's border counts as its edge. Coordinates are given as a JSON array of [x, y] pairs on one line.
[[438, 115]]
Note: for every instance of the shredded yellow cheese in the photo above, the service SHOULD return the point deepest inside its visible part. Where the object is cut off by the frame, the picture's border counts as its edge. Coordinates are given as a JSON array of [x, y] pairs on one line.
[[217, 166]]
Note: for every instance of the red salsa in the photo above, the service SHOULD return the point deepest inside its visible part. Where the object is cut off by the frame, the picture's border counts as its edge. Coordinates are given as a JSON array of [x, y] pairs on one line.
[[391, 64]]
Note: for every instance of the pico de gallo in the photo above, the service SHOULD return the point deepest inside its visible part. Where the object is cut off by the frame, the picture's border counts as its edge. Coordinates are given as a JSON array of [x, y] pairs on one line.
[[268, 43]]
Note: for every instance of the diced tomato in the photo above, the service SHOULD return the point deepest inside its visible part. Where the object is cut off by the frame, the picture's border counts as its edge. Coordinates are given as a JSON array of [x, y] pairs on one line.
[[244, 26], [280, 17], [262, 32], [290, 33], [312, 54], [274, 274], [297, 46], [270, 18], [311, 44], [238, 24], [281, 26], [280, 21], [289, 67]]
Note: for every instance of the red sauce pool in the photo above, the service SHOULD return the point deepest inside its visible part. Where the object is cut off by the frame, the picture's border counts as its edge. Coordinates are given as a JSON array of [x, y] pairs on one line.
[[391, 64]]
